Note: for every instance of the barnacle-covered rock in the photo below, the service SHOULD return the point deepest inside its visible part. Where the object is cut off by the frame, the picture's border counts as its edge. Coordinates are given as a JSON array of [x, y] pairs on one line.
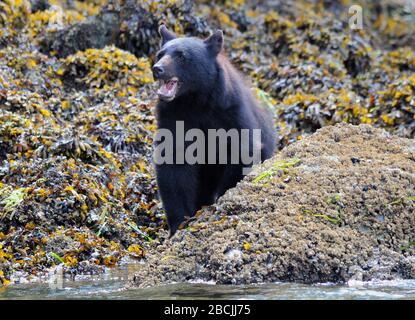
[[336, 206]]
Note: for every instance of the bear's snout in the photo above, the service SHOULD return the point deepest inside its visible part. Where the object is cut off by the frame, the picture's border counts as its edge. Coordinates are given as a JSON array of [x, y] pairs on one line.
[[158, 71]]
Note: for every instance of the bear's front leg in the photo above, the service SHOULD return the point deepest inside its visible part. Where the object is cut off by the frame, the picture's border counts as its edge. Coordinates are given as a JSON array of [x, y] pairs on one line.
[[178, 187]]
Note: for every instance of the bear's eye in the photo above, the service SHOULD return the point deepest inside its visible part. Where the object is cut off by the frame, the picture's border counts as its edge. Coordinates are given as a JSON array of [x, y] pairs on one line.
[[180, 55]]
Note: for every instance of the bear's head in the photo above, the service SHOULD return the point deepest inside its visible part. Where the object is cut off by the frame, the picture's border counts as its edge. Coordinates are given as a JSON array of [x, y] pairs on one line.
[[185, 65]]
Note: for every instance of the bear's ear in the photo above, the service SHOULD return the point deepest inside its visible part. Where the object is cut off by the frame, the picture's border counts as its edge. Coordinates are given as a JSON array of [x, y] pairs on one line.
[[165, 34], [215, 42]]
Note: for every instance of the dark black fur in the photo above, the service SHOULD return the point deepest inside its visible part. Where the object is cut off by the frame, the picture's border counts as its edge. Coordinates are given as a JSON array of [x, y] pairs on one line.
[[211, 95]]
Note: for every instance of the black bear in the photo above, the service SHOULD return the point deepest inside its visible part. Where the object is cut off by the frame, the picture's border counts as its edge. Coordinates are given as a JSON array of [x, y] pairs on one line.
[[200, 91]]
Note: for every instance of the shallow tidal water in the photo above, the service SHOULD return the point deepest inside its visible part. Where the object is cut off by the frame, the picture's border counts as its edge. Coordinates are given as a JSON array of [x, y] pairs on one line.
[[112, 285]]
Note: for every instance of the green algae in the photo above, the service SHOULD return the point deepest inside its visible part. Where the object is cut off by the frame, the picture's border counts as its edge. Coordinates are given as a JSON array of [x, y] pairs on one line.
[[280, 165]]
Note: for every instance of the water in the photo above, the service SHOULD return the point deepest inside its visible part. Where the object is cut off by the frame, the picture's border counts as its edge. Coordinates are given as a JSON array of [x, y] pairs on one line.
[[112, 286]]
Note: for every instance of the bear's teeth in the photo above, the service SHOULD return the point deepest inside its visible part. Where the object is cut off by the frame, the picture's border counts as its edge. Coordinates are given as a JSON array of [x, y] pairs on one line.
[[170, 85], [167, 89]]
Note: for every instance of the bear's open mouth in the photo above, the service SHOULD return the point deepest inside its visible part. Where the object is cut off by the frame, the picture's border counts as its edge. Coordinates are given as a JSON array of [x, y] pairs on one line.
[[168, 89]]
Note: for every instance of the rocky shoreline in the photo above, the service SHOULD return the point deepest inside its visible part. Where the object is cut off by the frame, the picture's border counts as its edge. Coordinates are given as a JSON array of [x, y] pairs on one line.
[[77, 185]]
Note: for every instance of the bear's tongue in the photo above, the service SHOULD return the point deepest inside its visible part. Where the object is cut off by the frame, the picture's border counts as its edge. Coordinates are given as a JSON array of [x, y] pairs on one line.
[[167, 88]]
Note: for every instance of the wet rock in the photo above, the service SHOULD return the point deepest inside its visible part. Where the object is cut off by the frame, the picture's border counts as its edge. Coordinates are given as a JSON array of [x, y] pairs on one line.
[[39, 5], [95, 32], [131, 25]]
